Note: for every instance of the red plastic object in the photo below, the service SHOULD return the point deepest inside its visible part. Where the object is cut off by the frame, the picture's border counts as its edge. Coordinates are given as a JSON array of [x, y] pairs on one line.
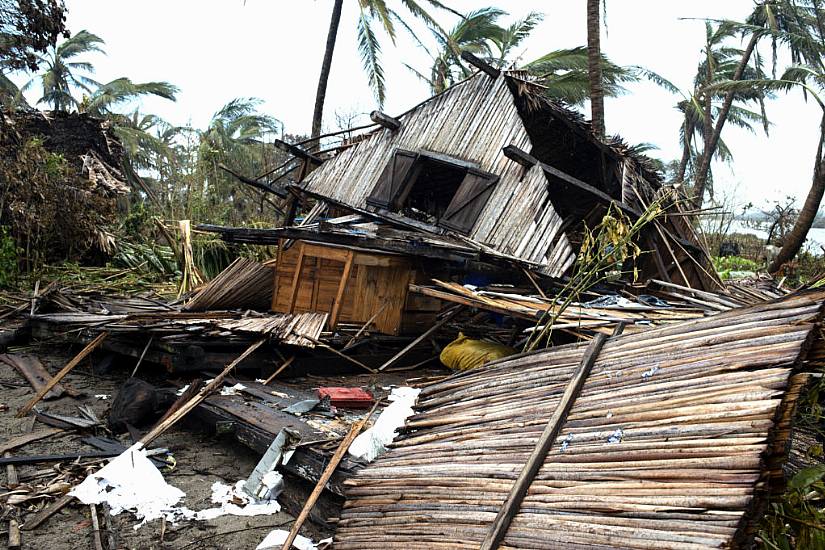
[[348, 398]]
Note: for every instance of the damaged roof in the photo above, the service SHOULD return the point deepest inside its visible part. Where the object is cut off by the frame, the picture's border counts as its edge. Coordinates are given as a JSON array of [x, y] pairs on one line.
[[670, 442]]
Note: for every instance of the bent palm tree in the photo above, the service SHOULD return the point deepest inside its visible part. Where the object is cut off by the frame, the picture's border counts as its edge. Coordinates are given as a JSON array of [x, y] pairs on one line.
[[811, 80], [122, 90], [62, 74], [795, 24]]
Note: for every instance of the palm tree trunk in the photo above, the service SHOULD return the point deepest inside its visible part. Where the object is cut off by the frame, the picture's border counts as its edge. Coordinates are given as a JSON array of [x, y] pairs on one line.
[[321, 94], [594, 67], [796, 237], [683, 162], [707, 154]]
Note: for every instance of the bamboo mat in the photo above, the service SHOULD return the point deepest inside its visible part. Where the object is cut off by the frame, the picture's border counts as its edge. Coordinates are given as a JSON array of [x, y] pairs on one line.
[[664, 448]]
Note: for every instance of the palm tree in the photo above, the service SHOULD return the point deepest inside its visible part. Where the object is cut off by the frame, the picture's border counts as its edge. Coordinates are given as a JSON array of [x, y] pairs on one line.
[[594, 66], [703, 106], [371, 12], [235, 137], [811, 80], [62, 72], [563, 73], [792, 23]]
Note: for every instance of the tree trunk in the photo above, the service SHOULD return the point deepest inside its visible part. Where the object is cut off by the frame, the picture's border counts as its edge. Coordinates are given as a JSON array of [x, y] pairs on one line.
[[796, 237], [321, 94], [707, 154], [594, 67], [683, 162]]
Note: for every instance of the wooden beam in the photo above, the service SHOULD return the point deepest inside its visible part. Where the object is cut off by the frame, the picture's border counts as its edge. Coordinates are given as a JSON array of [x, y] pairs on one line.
[[90, 347], [422, 337], [480, 64], [386, 121], [296, 151], [328, 471], [216, 383], [511, 505], [517, 155], [280, 192]]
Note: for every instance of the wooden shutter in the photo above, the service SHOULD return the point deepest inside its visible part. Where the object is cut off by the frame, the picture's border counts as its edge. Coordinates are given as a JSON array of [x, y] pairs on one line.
[[468, 202], [392, 179]]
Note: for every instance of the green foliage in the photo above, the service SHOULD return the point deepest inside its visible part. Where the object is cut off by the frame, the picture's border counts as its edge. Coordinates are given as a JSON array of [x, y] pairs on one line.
[[725, 265], [9, 254]]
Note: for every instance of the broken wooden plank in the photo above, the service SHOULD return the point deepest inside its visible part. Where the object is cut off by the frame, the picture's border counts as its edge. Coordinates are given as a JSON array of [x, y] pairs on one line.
[[498, 529], [40, 517], [161, 427], [90, 347], [319, 487], [422, 337], [34, 372], [23, 439]]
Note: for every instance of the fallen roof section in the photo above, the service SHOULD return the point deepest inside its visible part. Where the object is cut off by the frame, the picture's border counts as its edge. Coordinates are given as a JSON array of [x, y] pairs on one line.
[[668, 445]]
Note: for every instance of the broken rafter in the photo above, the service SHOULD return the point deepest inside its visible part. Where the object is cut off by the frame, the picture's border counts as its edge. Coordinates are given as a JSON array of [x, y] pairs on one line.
[[386, 121], [254, 183], [517, 155], [297, 151], [480, 64]]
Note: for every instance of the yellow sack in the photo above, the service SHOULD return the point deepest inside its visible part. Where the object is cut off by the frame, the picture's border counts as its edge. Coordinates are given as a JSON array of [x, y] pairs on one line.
[[466, 353]]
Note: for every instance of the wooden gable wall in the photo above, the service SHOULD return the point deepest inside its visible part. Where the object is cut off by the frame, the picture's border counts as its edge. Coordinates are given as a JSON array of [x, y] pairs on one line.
[[473, 121]]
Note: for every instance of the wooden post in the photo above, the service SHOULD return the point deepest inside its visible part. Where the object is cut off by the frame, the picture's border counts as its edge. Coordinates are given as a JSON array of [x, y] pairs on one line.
[[339, 296], [511, 505], [24, 410], [296, 279], [327, 473]]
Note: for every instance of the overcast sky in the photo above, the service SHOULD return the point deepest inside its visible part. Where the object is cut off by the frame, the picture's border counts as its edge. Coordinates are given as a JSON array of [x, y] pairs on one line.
[[272, 49]]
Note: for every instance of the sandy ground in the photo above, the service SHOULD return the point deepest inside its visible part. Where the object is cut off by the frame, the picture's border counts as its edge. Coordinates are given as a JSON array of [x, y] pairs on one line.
[[201, 460]]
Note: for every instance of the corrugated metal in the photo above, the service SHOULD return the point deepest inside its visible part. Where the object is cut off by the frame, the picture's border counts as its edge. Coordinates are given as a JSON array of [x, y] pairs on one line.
[[474, 121]]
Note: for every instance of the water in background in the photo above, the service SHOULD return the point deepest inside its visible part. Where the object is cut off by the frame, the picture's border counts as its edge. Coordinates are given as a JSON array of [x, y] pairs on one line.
[[816, 236]]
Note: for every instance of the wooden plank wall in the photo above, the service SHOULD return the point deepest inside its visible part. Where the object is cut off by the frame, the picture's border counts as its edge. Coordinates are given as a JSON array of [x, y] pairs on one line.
[[376, 280], [473, 121]]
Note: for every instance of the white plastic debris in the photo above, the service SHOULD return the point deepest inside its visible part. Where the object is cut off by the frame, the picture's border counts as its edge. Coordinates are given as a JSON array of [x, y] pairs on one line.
[[102, 396], [650, 372], [235, 501], [373, 442], [276, 539], [617, 436], [182, 390], [232, 390], [131, 482]]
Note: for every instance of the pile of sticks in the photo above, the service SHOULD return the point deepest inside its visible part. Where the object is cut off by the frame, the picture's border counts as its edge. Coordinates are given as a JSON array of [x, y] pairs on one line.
[[663, 447]]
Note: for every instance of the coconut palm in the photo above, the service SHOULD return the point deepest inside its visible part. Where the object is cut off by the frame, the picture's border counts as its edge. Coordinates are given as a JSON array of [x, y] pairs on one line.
[[792, 24], [120, 91], [372, 13], [812, 81], [563, 73], [703, 106], [63, 73], [236, 137]]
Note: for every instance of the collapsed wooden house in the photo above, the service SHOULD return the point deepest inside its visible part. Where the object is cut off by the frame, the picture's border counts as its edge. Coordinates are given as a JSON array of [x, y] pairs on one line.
[[673, 441], [486, 177]]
